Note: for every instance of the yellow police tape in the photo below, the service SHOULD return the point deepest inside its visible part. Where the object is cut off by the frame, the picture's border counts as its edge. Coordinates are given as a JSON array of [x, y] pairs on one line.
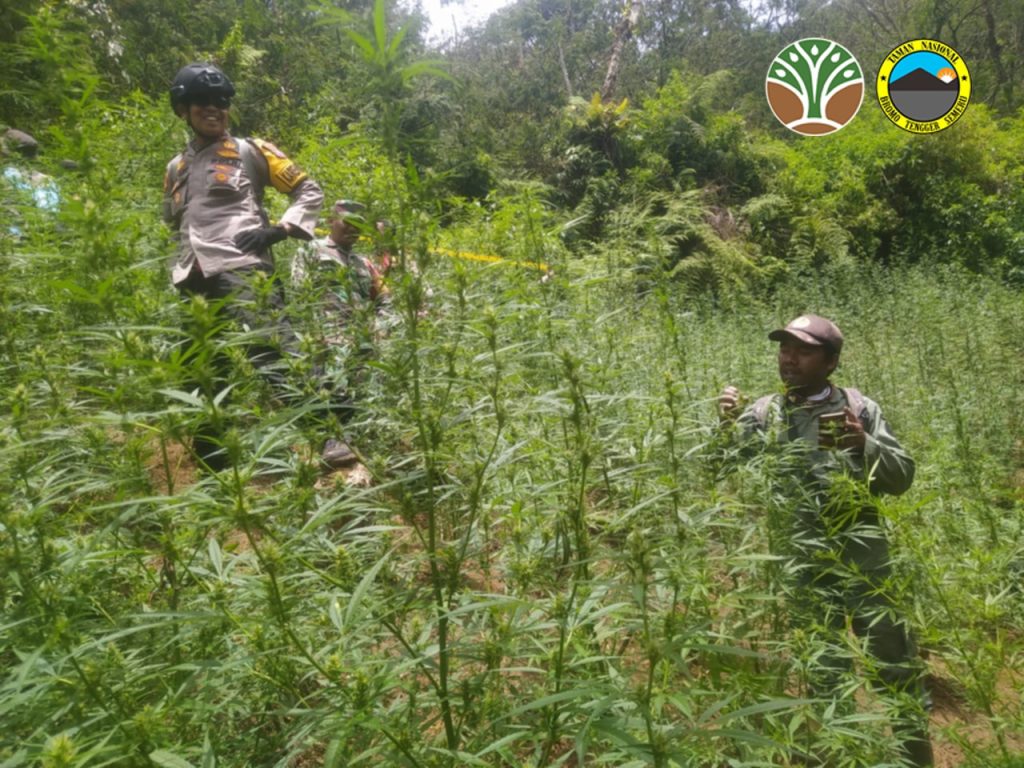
[[469, 256], [490, 259]]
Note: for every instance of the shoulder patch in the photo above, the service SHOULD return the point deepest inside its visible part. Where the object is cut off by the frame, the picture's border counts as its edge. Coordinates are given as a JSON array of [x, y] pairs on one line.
[[285, 176], [290, 174], [266, 146]]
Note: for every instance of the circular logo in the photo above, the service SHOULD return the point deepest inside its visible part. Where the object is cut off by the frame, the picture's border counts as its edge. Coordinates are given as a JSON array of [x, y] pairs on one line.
[[814, 86], [923, 86]]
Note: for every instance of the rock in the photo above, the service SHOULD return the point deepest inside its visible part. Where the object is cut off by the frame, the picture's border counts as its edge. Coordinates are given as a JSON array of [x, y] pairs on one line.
[[21, 141]]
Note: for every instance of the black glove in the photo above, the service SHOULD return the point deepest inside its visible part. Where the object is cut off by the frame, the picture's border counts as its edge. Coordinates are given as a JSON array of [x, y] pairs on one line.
[[259, 239]]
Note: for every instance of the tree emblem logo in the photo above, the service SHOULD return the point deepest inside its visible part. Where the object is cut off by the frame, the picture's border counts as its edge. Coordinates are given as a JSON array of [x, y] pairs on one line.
[[923, 86], [814, 86]]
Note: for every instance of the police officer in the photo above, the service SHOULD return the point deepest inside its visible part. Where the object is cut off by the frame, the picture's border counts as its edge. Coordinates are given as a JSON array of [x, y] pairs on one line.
[[213, 204], [842, 453]]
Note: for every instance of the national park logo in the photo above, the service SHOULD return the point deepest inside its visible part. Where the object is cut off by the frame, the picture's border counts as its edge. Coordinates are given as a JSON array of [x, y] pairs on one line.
[[923, 86], [814, 86]]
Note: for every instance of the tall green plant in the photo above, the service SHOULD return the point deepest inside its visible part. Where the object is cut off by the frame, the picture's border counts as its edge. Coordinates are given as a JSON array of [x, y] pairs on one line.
[[389, 70]]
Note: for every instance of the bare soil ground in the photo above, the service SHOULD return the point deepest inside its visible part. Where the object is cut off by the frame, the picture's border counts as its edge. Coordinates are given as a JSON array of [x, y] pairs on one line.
[[957, 727]]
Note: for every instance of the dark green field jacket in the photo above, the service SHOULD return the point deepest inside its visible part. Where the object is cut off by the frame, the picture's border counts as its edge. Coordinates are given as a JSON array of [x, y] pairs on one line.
[[833, 490]]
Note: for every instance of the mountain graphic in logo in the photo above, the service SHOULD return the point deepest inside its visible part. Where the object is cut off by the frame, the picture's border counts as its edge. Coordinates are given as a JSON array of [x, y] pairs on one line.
[[814, 86], [922, 96], [920, 80]]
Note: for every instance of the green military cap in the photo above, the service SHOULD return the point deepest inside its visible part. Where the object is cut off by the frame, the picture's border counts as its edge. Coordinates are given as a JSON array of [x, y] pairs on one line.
[[349, 210]]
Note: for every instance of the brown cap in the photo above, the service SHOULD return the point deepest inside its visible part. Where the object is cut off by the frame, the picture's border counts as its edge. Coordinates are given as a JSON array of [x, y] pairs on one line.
[[811, 329]]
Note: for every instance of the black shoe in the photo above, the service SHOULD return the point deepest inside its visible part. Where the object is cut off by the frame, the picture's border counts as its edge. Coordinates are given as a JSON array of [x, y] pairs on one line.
[[917, 749], [337, 454], [211, 456]]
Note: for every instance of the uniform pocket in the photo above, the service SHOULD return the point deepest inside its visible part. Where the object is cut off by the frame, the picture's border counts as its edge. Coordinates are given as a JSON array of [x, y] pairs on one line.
[[226, 180]]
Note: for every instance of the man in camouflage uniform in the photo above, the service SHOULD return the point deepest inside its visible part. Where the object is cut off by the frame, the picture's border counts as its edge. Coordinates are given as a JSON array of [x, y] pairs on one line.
[[353, 280], [344, 285], [213, 204], [842, 453]]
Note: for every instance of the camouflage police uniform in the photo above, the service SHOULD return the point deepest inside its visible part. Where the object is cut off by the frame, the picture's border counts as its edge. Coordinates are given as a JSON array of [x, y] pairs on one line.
[[349, 277]]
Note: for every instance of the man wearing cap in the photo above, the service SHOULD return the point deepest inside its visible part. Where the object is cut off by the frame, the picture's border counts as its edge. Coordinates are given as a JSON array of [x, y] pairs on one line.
[[213, 205], [352, 276], [839, 453], [344, 283]]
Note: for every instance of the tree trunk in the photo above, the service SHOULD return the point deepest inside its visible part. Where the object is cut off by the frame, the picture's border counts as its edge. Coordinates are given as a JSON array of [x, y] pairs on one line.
[[565, 70], [996, 53], [623, 33]]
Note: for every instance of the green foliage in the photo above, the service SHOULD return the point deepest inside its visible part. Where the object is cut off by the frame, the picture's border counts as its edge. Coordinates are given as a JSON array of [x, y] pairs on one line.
[[550, 566], [46, 65], [542, 568], [905, 200], [386, 73], [516, 222], [688, 122]]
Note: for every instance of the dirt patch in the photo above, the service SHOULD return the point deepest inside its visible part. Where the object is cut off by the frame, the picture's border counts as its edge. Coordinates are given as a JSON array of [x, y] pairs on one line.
[[179, 470], [957, 727]]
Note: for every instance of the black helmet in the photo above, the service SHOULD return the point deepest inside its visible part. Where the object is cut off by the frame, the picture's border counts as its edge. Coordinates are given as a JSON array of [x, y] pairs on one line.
[[197, 80]]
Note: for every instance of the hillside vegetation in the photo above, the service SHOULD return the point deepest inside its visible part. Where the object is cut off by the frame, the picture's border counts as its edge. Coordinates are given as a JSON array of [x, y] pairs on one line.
[[558, 558]]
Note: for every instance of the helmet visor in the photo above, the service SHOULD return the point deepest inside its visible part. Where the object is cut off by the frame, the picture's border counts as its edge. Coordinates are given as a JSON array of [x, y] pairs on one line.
[[218, 100]]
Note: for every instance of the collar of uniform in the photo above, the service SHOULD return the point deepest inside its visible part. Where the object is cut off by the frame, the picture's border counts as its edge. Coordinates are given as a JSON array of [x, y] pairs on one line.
[[196, 147], [333, 245], [809, 401]]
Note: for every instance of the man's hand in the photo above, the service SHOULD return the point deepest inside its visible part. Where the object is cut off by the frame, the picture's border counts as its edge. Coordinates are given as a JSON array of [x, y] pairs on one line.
[[259, 239], [853, 437], [846, 434], [729, 403]]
